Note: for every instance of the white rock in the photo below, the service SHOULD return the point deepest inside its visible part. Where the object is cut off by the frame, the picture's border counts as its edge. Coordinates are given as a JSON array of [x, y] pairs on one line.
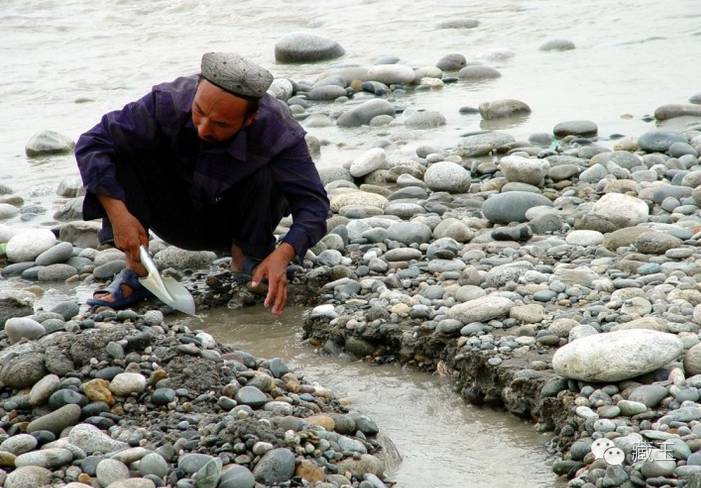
[[447, 176], [281, 88], [91, 439], [27, 245], [584, 238], [368, 162], [391, 74], [18, 328], [8, 211], [624, 210], [616, 356], [481, 309], [124, 384], [324, 311], [357, 197], [524, 170]]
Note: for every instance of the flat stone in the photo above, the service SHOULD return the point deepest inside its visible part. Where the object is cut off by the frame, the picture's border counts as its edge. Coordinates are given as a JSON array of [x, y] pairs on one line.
[[583, 128], [56, 254], [478, 72], [666, 112], [531, 171], [46, 458], [481, 309], [57, 420], [368, 162], [19, 444], [303, 47], [557, 45], [616, 356], [391, 74], [237, 476], [251, 396], [621, 210]]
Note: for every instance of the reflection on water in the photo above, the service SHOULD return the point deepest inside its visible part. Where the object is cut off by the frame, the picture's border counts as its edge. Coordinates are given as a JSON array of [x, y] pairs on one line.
[[443, 442]]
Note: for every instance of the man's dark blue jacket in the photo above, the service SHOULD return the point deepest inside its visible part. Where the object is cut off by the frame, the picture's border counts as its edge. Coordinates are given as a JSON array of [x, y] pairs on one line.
[[159, 127]]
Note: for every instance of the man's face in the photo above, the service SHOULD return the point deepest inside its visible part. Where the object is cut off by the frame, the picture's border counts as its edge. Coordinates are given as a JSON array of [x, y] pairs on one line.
[[217, 114]]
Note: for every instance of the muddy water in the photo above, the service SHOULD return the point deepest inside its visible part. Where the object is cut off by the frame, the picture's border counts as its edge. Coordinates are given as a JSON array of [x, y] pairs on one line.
[[442, 441]]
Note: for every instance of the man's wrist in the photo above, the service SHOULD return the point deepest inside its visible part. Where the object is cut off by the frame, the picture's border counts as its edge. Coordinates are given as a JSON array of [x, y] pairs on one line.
[[287, 251]]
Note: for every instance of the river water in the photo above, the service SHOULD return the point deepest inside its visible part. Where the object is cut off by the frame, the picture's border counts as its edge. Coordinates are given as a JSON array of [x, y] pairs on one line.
[[442, 441], [631, 56]]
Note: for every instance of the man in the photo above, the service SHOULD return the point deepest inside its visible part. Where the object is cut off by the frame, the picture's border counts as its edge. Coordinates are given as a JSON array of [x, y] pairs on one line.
[[208, 162]]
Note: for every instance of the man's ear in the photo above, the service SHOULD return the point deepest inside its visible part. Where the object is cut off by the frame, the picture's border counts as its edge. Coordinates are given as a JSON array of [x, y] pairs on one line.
[[249, 120]]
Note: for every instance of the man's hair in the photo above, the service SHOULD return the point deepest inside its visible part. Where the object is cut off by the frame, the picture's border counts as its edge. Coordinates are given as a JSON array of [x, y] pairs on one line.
[[251, 106]]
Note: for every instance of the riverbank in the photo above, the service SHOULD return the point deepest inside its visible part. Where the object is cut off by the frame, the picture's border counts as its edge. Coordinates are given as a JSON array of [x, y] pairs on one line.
[[555, 276]]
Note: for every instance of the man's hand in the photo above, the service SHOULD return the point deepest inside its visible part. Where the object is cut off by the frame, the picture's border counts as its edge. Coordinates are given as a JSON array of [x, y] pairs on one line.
[[274, 268], [129, 234]]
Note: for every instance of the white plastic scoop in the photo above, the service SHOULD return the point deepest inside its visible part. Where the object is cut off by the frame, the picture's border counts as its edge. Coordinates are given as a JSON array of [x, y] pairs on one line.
[[167, 289]]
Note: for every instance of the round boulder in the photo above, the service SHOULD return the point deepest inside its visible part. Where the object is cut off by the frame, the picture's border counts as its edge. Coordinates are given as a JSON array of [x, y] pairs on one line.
[[447, 176], [27, 245]]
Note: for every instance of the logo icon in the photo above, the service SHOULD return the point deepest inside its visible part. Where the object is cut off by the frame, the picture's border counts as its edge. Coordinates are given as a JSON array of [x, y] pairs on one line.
[[605, 449]]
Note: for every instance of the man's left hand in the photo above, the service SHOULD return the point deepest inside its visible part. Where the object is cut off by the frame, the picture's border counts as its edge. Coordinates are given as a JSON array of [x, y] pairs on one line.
[[274, 268]]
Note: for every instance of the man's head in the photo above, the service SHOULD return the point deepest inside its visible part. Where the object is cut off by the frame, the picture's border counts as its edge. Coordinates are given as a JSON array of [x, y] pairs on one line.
[[227, 95]]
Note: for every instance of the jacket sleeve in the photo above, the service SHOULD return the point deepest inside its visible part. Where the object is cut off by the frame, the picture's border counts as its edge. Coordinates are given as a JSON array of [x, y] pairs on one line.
[[296, 176], [130, 130]]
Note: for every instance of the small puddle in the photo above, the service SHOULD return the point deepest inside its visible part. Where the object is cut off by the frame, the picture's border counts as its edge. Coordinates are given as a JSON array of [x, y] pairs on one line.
[[443, 441]]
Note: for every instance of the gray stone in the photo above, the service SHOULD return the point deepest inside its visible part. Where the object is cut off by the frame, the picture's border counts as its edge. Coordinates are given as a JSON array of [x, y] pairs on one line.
[[402, 254], [621, 210], [174, 257], [28, 477], [251, 396], [666, 112], [19, 444], [108, 270], [111, 470], [208, 475], [71, 210], [524, 170], [48, 142], [56, 272], [133, 483], [616, 356], [276, 466], [426, 119], [557, 45], [70, 187], [193, 462], [57, 420], [46, 458], [511, 206], [451, 62], [484, 143], [153, 464], [80, 234], [364, 113], [91, 439], [22, 370], [659, 141], [458, 24], [237, 477], [478, 72], [409, 232], [326, 93], [648, 395], [503, 108], [583, 128], [302, 47]]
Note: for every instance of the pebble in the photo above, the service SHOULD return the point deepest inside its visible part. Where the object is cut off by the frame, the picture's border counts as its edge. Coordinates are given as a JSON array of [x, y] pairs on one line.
[[301, 47]]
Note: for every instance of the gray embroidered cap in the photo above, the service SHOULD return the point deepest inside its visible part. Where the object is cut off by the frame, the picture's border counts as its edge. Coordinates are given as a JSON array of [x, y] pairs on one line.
[[235, 74]]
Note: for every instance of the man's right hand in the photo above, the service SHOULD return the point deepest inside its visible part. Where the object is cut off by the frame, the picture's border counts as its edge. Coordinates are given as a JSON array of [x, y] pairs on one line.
[[128, 232]]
